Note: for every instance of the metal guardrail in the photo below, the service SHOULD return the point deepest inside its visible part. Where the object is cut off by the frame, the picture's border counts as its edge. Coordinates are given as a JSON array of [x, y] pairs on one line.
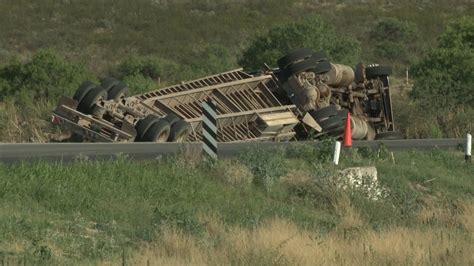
[[139, 151]]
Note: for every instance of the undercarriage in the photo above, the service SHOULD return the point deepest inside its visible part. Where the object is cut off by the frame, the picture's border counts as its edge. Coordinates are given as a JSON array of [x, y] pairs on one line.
[[307, 97]]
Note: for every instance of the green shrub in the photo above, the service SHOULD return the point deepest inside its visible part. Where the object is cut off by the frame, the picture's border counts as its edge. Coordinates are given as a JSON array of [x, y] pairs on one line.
[[5, 88], [319, 152], [267, 166], [386, 50], [445, 76], [144, 73], [459, 33], [394, 40], [150, 67], [207, 60], [139, 84], [46, 75], [310, 32], [393, 30], [417, 121], [320, 190], [366, 154]]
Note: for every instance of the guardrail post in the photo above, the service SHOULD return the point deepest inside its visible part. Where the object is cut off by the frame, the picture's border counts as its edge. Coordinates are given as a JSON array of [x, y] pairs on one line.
[[468, 148], [209, 129], [337, 152]]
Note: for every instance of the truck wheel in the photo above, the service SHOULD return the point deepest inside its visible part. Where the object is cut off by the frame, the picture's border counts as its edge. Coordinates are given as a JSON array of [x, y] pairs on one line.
[[83, 90], [179, 131], [342, 114], [282, 76], [108, 83], [336, 132], [296, 55], [322, 67], [118, 92], [389, 135], [158, 132], [331, 122], [324, 112], [95, 96], [378, 71], [320, 56], [144, 124], [299, 67], [172, 118]]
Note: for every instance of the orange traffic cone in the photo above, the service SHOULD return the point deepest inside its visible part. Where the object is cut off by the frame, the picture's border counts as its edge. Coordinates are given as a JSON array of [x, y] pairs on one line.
[[348, 132]]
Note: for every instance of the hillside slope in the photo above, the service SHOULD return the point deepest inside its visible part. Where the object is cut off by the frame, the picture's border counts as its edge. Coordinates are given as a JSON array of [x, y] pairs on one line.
[[279, 207], [102, 33]]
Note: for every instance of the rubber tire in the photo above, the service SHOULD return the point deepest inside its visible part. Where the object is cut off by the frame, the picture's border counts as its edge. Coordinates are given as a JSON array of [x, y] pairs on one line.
[[324, 112], [331, 122], [282, 76], [320, 56], [117, 92], [172, 118], [143, 125], [342, 114], [336, 132], [299, 67], [83, 90], [158, 132], [389, 135], [296, 55], [89, 101], [109, 83], [179, 131], [378, 71], [322, 67]]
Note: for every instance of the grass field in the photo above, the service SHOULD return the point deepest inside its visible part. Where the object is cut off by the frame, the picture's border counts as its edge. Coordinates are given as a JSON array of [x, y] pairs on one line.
[[262, 208], [182, 40], [279, 207], [101, 34]]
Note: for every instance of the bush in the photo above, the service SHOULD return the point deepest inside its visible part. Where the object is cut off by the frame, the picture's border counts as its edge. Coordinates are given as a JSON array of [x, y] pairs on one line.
[[390, 51], [310, 32], [5, 89], [443, 83], [319, 152], [138, 83], [459, 33], [320, 189], [46, 75], [266, 165], [150, 67], [394, 40], [416, 121], [210, 59], [143, 73], [393, 30], [445, 76]]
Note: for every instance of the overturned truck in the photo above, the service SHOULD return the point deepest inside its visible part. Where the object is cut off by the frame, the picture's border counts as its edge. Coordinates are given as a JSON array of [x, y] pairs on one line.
[[307, 96]]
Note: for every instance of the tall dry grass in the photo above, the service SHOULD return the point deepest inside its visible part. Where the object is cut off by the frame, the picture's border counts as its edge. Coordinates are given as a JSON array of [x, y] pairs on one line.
[[26, 123], [280, 242]]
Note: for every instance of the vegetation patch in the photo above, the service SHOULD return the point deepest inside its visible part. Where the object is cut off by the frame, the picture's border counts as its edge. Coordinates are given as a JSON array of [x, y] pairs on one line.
[[170, 210]]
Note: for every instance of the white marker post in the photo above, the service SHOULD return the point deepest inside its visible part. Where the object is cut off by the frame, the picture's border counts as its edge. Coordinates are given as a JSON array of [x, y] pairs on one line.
[[337, 152], [468, 148]]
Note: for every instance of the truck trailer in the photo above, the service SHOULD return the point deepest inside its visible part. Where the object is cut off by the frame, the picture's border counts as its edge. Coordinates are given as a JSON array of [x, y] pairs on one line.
[[306, 97]]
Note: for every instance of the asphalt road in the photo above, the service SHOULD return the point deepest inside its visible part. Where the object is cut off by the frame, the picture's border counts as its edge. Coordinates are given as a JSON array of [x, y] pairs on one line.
[[72, 151]]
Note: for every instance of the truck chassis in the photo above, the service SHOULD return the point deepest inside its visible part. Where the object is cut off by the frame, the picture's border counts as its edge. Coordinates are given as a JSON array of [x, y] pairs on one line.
[[306, 97]]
